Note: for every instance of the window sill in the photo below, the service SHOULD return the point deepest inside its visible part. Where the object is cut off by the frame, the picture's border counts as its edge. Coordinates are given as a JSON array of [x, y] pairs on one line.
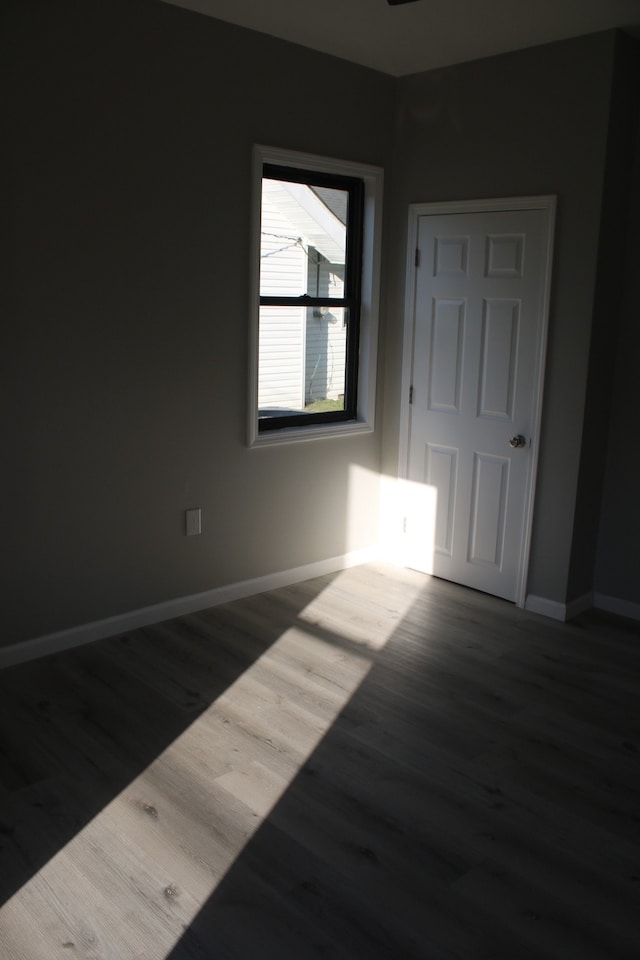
[[298, 434]]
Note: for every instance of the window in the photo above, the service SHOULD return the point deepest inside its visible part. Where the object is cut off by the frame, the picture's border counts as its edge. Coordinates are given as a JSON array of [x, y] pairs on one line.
[[314, 310]]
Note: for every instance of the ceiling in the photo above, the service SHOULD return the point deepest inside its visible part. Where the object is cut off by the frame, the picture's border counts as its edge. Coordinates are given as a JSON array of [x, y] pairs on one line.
[[412, 37]]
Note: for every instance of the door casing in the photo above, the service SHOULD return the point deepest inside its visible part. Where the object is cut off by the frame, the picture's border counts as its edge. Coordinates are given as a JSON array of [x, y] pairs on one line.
[[545, 203]]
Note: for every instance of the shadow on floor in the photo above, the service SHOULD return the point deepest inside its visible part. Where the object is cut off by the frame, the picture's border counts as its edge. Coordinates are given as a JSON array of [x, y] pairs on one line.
[[453, 808], [77, 727]]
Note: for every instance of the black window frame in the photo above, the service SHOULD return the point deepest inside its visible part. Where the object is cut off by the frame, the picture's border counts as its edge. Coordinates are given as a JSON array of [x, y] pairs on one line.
[[351, 300]]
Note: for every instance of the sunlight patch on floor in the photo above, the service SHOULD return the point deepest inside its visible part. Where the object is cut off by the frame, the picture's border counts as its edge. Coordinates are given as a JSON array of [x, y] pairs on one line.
[[170, 837]]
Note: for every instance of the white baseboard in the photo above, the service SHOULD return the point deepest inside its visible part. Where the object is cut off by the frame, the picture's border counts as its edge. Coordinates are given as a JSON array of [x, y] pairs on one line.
[[545, 607], [556, 610], [111, 626], [562, 611], [579, 605], [623, 608]]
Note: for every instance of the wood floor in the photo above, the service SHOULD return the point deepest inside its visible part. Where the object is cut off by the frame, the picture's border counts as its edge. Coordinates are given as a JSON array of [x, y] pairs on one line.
[[374, 764]]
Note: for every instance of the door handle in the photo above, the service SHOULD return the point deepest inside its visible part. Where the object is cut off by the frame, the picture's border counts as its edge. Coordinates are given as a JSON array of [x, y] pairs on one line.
[[518, 441]]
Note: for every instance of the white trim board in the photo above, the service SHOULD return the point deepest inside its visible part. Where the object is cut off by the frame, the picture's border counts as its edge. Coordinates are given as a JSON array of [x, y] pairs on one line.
[[556, 610], [146, 616], [545, 607], [622, 608], [567, 611]]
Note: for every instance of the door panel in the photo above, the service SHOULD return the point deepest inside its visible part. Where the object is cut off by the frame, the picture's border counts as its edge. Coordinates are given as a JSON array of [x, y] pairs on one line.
[[478, 310], [441, 474], [498, 355], [445, 355], [488, 509]]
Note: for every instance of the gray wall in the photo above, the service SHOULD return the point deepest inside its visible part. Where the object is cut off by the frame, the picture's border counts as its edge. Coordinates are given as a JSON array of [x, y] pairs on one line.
[[533, 122], [608, 307], [126, 348], [618, 560], [132, 126]]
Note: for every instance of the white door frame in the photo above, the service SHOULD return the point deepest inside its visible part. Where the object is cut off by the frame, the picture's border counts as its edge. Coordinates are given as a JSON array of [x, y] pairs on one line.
[[417, 210]]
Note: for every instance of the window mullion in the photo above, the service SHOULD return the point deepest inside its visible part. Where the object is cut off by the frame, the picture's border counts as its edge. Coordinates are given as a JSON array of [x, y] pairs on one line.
[[337, 302]]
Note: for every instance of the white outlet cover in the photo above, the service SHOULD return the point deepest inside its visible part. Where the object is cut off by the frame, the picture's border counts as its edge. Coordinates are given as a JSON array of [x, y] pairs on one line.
[[193, 521]]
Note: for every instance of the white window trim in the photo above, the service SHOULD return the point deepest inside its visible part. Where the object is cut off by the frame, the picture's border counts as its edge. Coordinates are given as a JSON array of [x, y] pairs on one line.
[[371, 251]]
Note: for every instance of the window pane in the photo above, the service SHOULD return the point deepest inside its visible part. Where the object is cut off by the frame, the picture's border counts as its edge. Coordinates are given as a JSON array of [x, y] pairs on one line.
[[303, 240], [302, 360]]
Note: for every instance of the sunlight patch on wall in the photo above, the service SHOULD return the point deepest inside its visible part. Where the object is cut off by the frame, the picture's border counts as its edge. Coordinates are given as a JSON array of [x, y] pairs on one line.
[[362, 508], [408, 521]]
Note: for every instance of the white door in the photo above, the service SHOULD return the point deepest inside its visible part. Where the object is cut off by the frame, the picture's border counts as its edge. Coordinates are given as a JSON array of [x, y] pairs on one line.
[[480, 290]]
